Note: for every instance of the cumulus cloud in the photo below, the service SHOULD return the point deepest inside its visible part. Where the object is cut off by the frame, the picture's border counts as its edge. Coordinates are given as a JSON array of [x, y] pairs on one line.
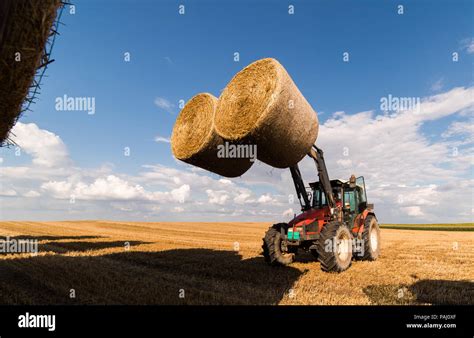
[[266, 199], [242, 198], [112, 187], [217, 197], [180, 194], [46, 148]]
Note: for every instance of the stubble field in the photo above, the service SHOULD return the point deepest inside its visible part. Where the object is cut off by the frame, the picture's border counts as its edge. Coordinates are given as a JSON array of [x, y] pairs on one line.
[[105, 262]]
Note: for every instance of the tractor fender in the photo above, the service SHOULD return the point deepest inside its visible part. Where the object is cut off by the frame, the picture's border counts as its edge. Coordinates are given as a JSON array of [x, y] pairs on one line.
[[361, 220]]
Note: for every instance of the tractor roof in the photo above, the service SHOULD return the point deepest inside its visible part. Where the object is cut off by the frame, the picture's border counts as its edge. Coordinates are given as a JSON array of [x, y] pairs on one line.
[[334, 183]]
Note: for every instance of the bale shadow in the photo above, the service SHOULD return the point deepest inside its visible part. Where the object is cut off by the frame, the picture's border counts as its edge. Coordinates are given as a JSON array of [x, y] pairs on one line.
[[178, 276], [66, 247], [425, 291], [47, 238], [444, 292]]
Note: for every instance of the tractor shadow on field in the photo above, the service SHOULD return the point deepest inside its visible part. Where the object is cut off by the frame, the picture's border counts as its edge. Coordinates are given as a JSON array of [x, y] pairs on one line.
[[178, 276], [425, 291], [46, 238], [56, 244], [65, 247]]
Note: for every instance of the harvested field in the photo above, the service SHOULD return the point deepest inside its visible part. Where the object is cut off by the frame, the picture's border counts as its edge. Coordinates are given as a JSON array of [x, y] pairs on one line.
[[108, 262]]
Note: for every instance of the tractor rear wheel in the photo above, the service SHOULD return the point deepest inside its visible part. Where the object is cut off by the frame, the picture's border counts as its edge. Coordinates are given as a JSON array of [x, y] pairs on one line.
[[335, 247], [274, 250], [371, 239]]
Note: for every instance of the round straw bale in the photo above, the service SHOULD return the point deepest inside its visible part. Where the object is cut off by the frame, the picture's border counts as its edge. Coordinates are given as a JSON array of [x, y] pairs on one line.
[[25, 27], [262, 104], [195, 141]]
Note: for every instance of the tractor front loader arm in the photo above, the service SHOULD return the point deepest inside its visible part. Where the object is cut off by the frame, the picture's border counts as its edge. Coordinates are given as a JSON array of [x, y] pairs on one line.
[[318, 156]]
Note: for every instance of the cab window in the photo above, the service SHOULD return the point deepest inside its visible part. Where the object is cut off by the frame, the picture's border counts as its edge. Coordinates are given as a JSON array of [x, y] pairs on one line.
[[319, 199], [349, 198]]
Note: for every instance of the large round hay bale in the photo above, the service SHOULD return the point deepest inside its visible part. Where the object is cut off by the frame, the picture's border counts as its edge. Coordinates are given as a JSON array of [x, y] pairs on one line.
[[195, 141], [262, 104], [25, 27]]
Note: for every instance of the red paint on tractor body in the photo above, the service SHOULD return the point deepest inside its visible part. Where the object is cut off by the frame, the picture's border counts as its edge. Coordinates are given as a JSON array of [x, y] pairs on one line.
[[320, 216]]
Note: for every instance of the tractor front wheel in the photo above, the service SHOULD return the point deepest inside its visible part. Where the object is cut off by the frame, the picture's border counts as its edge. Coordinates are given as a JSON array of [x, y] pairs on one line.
[[334, 247], [274, 250], [371, 239]]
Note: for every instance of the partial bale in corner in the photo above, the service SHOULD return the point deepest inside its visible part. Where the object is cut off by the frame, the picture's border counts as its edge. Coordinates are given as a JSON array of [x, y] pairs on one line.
[[195, 141], [25, 27], [262, 104]]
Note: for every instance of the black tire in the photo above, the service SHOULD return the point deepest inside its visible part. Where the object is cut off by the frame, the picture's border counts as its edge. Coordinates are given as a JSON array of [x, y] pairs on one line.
[[335, 247], [371, 240], [272, 246]]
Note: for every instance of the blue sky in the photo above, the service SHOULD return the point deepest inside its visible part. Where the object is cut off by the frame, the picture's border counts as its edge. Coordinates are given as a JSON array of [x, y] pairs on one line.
[[174, 56]]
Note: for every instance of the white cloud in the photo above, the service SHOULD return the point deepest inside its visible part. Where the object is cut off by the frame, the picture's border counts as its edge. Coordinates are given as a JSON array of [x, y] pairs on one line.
[[217, 197], [181, 194], [60, 189], [459, 99], [164, 104], [437, 86], [46, 148], [32, 193], [468, 45], [242, 198], [162, 139], [413, 211], [112, 187], [460, 128], [8, 192], [266, 199]]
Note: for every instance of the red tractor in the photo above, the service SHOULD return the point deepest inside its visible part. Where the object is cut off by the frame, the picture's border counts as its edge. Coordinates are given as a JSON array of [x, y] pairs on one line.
[[336, 223]]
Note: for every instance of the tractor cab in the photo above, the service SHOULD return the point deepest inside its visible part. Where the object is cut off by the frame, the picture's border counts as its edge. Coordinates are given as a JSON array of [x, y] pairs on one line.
[[350, 197]]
